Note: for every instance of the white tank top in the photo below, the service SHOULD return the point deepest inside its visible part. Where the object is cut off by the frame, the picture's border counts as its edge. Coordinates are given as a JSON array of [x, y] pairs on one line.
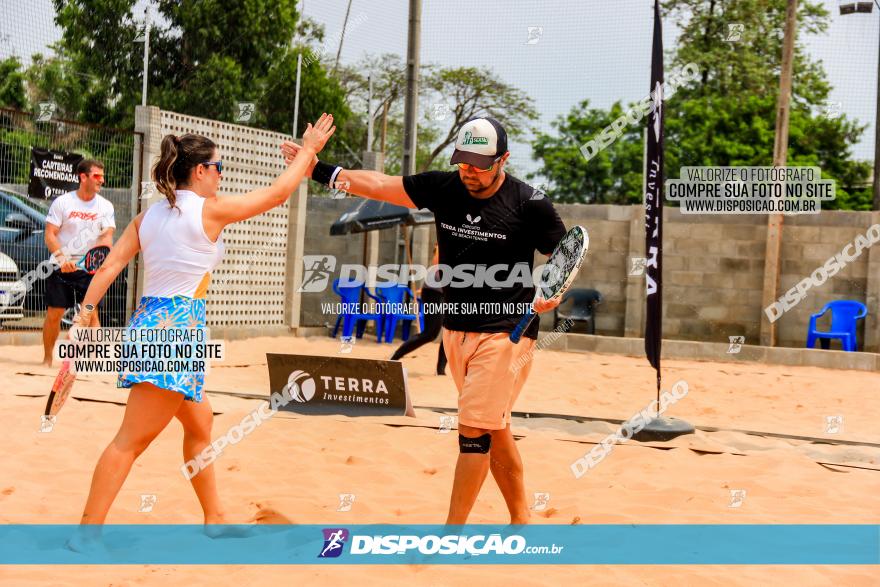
[[178, 255]]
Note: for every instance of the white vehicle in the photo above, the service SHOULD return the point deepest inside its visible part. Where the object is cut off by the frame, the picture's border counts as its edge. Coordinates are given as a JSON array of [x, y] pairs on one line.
[[12, 290]]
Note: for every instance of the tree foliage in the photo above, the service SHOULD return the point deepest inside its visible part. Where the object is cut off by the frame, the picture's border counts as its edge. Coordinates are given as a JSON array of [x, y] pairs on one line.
[[206, 57], [724, 117], [460, 93]]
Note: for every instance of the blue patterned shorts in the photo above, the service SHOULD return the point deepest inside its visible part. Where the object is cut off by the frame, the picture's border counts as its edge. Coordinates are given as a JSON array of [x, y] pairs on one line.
[[176, 312]]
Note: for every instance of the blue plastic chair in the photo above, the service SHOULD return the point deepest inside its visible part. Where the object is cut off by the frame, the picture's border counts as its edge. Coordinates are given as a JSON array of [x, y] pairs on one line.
[[395, 293], [349, 293], [845, 315]]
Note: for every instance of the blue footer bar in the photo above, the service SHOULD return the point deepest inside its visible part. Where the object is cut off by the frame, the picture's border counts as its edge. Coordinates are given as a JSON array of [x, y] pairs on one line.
[[711, 544]]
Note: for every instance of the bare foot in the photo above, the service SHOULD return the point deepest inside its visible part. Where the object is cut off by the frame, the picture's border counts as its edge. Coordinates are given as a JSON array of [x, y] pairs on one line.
[[87, 540]]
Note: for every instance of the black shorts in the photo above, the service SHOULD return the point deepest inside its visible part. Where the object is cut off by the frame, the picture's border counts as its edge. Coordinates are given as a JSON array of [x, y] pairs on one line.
[[65, 290]]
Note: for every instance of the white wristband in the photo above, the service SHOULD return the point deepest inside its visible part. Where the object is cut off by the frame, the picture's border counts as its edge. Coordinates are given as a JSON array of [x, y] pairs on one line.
[[333, 177]]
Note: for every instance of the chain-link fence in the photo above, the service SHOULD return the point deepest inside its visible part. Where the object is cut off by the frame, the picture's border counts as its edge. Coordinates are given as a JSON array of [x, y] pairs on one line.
[[24, 255]]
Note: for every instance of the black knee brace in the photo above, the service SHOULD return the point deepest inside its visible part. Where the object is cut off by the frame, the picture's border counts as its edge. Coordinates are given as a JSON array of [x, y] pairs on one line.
[[479, 444]]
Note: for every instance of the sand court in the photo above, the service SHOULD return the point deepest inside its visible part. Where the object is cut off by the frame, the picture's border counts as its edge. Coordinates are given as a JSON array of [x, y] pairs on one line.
[[293, 468]]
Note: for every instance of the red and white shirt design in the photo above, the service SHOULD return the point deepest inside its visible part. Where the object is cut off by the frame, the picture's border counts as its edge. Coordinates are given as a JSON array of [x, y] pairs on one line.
[[81, 222]]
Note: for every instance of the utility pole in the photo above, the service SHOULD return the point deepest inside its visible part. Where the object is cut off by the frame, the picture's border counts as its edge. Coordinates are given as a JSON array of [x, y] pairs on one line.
[[772, 257], [342, 37], [146, 55], [876, 205], [369, 113], [411, 105]]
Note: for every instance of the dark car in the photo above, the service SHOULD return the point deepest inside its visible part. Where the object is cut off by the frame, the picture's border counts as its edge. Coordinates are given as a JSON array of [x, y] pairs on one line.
[[22, 227]]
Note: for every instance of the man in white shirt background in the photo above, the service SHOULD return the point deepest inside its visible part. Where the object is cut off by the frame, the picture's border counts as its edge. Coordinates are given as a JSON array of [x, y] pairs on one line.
[[77, 221]]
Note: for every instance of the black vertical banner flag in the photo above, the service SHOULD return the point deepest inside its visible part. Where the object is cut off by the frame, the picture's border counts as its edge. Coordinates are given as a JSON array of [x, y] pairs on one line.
[[654, 205]]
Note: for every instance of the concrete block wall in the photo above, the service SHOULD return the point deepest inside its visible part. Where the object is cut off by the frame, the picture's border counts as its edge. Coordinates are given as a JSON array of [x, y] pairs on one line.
[[712, 276]]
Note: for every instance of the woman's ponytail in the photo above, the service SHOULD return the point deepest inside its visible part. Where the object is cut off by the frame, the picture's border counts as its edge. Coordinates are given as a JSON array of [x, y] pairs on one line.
[[163, 170], [177, 158]]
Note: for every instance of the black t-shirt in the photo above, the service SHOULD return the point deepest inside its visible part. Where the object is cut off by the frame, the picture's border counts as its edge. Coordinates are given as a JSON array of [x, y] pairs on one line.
[[475, 234]]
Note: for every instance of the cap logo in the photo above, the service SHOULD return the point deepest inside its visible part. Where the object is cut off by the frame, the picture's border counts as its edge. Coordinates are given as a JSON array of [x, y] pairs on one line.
[[470, 139]]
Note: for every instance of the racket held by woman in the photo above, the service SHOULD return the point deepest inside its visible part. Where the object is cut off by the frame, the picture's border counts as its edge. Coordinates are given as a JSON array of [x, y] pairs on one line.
[[60, 389]]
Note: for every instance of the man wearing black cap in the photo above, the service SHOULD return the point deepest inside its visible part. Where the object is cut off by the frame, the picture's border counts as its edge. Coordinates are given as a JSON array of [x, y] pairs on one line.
[[489, 225]]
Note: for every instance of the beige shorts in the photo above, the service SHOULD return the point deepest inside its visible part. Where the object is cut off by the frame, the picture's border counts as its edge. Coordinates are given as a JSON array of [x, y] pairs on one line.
[[489, 372]]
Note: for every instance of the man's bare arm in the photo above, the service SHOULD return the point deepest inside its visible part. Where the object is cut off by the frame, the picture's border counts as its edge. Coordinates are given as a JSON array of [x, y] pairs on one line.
[[361, 182], [50, 235], [375, 186]]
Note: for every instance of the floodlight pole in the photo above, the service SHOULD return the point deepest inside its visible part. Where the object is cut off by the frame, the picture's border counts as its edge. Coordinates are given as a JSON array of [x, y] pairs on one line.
[[299, 62]]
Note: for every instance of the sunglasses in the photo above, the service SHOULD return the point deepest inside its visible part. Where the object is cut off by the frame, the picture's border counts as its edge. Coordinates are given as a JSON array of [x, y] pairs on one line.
[[466, 166], [217, 164]]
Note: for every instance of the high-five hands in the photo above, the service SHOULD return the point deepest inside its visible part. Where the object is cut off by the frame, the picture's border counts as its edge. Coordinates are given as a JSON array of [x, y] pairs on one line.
[[290, 149], [314, 139]]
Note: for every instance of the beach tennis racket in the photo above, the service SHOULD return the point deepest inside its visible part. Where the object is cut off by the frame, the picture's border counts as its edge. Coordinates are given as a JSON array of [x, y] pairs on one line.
[[60, 389], [93, 259], [558, 274]]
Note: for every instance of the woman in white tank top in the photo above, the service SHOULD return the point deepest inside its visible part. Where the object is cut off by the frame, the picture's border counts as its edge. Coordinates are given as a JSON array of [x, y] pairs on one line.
[[179, 240]]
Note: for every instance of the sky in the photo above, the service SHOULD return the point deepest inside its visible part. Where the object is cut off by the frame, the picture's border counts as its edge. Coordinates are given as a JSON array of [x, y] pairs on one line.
[[586, 49]]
